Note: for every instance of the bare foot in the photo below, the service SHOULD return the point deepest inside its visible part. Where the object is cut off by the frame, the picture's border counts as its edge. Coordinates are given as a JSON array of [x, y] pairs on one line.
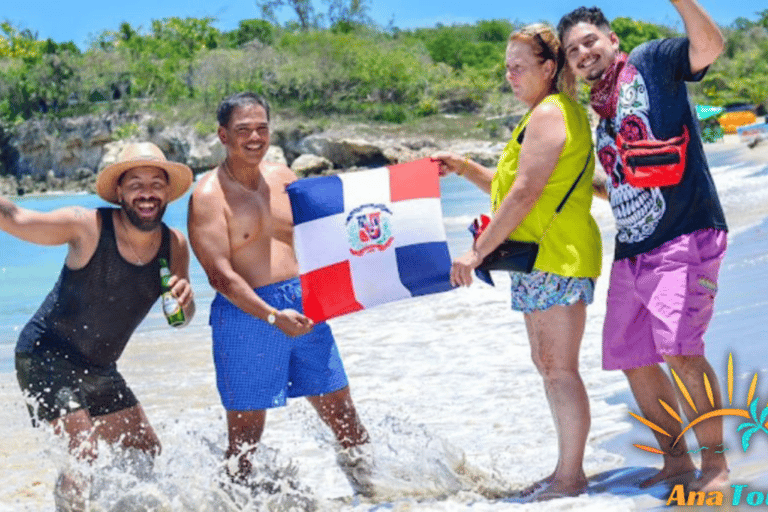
[[676, 476], [534, 487], [558, 489], [715, 479], [71, 492], [552, 491]]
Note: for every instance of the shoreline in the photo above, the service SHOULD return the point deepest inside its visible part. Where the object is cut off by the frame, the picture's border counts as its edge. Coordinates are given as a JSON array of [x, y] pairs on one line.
[[757, 154], [730, 146]]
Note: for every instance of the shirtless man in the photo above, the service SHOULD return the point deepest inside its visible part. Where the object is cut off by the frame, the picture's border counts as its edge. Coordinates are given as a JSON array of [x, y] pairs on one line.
[[66, 354], [265, 349]]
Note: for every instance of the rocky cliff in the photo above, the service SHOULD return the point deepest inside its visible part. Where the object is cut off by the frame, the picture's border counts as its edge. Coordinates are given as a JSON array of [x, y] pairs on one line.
[[43, 155]]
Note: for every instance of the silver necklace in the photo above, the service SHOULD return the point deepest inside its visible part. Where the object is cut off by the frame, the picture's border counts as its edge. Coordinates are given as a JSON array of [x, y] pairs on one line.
[[139, 261], [232, 177]]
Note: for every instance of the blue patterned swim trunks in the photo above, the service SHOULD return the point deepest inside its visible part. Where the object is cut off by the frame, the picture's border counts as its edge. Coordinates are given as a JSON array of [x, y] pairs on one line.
[[542, 290], [258, 366]]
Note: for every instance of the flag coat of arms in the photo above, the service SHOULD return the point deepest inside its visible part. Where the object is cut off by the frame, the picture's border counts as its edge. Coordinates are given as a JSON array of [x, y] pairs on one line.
[[369, 237]]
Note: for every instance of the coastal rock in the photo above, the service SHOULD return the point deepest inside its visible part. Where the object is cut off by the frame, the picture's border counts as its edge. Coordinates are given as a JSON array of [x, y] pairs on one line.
[[407, 150], [275, 154], [205, 153], [420, 144], [305, 165], [65, 154], [175, 142], [398, 153], [344, 152], [52, 182], [62, 146], [289, 139], [483, 152], [8, 186], [26, 185], [110, 152]]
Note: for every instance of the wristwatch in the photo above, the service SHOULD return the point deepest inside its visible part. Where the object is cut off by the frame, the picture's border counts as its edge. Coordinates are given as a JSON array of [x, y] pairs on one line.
[[271, 317]]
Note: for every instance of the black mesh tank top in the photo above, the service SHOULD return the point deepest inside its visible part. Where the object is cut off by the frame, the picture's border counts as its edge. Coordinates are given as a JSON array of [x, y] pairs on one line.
[[92, 312]]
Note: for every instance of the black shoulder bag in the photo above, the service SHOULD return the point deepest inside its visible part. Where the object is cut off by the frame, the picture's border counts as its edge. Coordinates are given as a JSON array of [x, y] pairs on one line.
[[514, 255]]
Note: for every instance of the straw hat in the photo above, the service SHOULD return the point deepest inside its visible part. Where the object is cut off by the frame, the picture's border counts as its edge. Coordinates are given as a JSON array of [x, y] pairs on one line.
[[142, 154]]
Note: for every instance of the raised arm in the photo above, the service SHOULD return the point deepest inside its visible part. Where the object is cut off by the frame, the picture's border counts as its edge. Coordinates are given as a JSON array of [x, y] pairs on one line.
[[179, 281], [58, 227], [706, 39], [75, 226]]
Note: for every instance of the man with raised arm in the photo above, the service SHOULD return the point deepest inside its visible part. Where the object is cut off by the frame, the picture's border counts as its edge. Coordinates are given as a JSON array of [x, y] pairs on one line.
[[265, 350], [66, 355], [671, 234]]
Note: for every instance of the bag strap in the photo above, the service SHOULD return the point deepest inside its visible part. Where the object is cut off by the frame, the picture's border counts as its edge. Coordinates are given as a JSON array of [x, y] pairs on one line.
[[573, 187], [568, 194]]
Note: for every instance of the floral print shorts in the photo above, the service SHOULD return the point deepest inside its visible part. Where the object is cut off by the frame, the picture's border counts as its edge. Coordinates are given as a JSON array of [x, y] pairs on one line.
[[541, 290]]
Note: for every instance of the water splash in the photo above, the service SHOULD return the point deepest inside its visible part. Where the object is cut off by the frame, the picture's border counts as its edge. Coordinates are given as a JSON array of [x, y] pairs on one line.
[[189, 476]]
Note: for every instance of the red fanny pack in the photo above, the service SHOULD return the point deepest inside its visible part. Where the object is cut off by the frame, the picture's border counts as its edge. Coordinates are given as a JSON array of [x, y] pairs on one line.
[[654, 163]]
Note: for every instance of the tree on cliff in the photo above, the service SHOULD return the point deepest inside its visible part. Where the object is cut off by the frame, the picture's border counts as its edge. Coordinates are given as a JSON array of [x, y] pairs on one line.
[[304, 10], [342, 15]]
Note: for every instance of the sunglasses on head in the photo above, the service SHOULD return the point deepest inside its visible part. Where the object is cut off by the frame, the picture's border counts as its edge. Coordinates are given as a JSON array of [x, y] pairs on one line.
[[548, 53]]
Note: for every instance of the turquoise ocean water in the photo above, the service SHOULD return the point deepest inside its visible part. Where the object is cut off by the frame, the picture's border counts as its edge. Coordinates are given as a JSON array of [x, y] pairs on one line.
[[28, 271]]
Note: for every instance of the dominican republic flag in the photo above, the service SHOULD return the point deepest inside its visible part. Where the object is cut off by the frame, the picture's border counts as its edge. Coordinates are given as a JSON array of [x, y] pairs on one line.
[[369, 237]]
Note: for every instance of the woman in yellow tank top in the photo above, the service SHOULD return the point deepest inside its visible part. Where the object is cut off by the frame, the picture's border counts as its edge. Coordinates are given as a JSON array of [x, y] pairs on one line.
[[549, 148]]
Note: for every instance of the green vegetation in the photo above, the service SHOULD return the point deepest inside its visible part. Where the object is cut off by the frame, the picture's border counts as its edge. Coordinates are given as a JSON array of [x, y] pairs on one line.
[[633, 33], [741, 73], [125, 131], [320, 64]]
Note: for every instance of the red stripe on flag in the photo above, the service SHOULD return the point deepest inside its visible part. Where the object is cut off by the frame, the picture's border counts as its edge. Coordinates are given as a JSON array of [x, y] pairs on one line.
[[414, 180], [327, 292]]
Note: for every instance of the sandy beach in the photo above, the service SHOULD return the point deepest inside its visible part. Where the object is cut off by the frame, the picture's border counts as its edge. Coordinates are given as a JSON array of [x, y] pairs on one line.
[[444, 384]]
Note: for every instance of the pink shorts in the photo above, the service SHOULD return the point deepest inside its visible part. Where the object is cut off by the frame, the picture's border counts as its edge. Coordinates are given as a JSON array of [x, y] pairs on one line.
[[660, 302]]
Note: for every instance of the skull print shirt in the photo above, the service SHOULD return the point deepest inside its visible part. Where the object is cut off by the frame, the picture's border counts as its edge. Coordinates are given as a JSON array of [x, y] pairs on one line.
[[652, 104]]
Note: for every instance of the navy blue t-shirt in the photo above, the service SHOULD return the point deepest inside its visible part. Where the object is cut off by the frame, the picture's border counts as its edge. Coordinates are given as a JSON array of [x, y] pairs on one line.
[[653, 104]]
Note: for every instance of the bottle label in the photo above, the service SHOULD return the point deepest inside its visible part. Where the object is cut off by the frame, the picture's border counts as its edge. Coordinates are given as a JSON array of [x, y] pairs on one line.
[[171, 307], [170, 304], [172, 310]]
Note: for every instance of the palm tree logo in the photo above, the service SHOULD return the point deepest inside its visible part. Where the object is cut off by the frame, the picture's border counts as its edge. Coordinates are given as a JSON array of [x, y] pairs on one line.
[[750, 428]]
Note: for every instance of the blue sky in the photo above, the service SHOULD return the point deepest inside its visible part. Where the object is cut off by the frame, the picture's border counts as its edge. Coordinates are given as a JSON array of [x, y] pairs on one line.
[[78, 20]]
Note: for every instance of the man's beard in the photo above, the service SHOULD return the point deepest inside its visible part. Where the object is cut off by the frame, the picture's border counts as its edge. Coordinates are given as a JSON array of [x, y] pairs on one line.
[[596, 76], [140, 223]]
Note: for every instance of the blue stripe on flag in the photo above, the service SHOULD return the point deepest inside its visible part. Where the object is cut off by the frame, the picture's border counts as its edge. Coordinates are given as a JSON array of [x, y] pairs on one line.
[[424, 268], [313, 198]]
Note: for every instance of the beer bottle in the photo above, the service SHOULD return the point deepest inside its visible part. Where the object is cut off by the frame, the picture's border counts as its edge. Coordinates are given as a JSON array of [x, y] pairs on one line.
[[171, 307]]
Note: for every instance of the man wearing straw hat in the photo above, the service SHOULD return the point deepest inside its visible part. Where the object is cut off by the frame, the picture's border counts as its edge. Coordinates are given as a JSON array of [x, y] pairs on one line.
[[66, 354]]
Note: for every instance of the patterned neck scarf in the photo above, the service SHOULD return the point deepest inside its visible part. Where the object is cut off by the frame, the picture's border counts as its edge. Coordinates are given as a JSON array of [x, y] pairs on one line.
[[605, 95]]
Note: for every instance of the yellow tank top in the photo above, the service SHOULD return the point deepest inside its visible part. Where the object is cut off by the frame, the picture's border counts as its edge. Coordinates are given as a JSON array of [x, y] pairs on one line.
[[571, 246]]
